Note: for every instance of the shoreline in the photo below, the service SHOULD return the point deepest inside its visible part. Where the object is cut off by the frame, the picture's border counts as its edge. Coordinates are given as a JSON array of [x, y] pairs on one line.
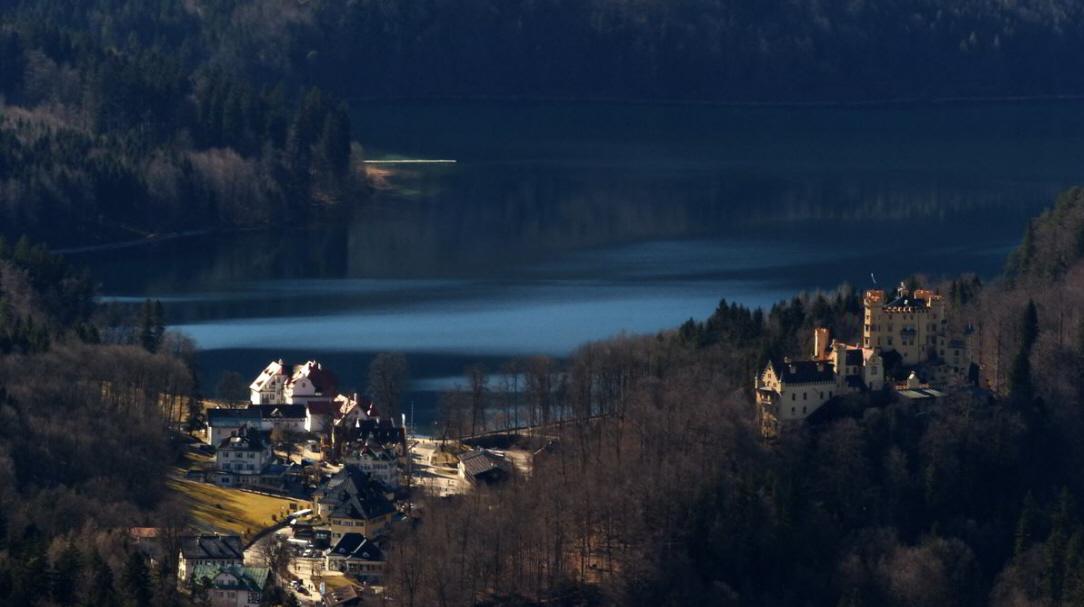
[[765, 104]]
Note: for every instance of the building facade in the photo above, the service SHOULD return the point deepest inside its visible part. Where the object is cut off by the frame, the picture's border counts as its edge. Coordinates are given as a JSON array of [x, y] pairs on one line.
[[241, 457], [350, 502], [910, 323], [213, 550], [281, 384], [231, 585], [913, 325]]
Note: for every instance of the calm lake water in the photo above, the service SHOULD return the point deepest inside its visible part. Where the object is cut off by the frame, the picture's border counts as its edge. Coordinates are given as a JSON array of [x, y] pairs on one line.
[[562, 224]]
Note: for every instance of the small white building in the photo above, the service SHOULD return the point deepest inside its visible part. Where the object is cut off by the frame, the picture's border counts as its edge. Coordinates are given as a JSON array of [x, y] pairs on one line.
[[287, 417], [378, 461], [269, 387], [222, 422], [215, 550], [241, 457], [231, 585], [356, 555]]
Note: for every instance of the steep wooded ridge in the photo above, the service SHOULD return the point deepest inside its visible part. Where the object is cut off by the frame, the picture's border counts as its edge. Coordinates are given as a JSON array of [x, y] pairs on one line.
[[87, 397], [105, 139], [721, 50], [671, 498], [122, 119]]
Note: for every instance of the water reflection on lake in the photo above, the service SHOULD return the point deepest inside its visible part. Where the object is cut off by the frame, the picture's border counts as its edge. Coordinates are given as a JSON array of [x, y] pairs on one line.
[[560, 224]]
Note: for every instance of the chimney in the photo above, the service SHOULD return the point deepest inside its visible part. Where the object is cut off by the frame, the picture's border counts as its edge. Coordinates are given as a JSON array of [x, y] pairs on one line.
[[820, 343]]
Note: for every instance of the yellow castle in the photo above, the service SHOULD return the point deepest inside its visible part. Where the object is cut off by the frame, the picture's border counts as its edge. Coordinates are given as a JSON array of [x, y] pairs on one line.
[[912, 324]]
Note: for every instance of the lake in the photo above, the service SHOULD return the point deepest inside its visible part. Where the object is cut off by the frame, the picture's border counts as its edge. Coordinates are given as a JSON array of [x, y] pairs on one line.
[[559, 224]]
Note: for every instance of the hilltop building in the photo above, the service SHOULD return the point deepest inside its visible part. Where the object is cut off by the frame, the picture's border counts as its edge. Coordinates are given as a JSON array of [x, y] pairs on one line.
[[910, 325]]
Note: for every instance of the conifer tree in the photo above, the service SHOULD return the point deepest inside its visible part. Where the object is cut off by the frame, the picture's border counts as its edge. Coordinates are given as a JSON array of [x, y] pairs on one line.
[[135, 581], [1026, 525], [66, 573], [101, 593]]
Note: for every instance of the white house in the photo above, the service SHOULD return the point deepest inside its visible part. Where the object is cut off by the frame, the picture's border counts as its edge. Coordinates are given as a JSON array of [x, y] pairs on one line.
[[216, 550], [269, 386], [286, 417], [231, 585], [279, 384], [241, 457], [378, 461], [355, 554], [320, 415], [221, 423]]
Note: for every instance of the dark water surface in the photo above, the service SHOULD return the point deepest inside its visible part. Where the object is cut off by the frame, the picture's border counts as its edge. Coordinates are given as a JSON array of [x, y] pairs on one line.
[[562, 224]]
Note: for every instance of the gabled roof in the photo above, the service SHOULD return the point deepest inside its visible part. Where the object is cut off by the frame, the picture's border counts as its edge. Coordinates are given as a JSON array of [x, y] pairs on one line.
[[375, 452], [231, 418], [204, 547], [252, 579], [275, 368], [279, 411], [381, 431], [804, 371], [323, 381], [356, 546], [345, 596], [482, 461], [353, 495], [246, 438]]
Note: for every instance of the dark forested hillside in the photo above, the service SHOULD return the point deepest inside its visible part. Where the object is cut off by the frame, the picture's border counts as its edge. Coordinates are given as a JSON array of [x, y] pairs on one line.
[[726, 50], [85, 439], [104, 139], [122, 119], [668, 495]]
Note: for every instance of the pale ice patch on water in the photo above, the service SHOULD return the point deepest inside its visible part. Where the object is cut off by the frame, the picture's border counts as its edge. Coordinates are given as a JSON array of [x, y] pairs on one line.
[[345, 286], [538, 321]]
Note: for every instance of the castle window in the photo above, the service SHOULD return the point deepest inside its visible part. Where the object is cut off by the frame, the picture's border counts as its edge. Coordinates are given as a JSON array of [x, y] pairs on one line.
[[803, 410], [793, 396], [804, 395]]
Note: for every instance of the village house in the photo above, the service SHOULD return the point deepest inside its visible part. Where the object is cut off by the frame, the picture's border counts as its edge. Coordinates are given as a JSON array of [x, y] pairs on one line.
[[912, 326], [371, 430], [378, 461], [215, 550], [341, 412], [350, 502], [320, 415], [355, 554], [290, 418], [241, 458], [222, 423], [231, 585], [281, 384], [482, 466]]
